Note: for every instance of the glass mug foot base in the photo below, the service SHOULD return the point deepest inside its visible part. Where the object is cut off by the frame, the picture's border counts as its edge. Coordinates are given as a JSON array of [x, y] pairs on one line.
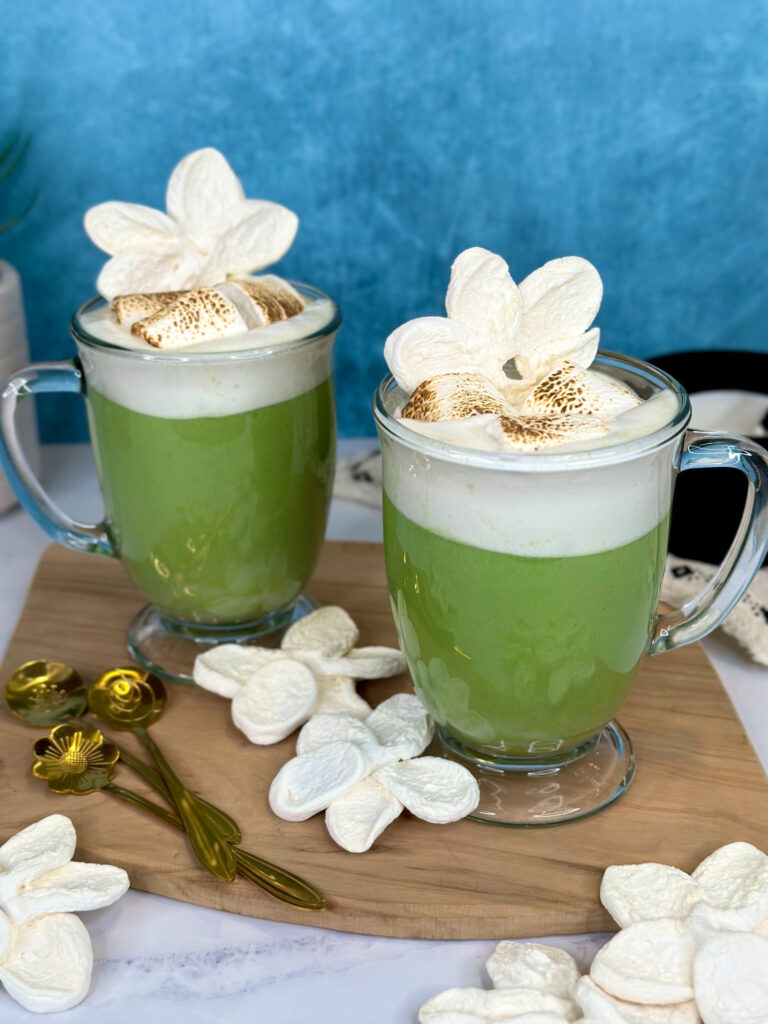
[[168, 647], [548, 792]]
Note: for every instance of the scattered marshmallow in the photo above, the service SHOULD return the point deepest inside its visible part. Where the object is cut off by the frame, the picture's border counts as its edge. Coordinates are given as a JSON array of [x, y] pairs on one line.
[[209, 232], [355, 820], [45, 951], [733, 882], [273, 691], [730, 978], [648, 962], [470, 1005], [361, 802], [598, 1005], [645, 892], [533, 965]]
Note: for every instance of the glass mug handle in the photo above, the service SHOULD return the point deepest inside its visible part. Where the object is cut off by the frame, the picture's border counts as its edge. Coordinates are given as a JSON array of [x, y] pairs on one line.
[[36, 380], [703, 613]]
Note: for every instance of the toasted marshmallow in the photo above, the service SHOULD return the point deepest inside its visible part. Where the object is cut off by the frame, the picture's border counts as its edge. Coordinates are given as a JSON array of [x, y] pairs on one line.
[[454, 396], [274, 298], [531, 433], [130, 308], [569, 389], [199, 315]]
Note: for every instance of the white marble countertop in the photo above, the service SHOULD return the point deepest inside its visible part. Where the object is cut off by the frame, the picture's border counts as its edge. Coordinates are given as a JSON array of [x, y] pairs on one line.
[[159, 961]]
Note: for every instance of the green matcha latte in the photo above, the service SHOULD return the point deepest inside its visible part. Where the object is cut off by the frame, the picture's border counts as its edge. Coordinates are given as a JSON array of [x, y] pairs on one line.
[[216, 463]]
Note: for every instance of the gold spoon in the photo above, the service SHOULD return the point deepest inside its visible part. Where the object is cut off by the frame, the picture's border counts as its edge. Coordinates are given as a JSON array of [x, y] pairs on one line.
[[132, 700], [75, 758], [49, 693]]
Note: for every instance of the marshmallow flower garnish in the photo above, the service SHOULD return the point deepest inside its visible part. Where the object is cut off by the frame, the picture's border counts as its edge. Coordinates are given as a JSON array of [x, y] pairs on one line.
[[692, 948], [210, 231], [517, 356], [363, 774], [312, 673], [46, 957]]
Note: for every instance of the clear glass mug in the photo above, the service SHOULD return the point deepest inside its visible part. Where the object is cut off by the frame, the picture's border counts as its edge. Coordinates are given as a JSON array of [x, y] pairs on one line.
[[216, 471], [524, 590]]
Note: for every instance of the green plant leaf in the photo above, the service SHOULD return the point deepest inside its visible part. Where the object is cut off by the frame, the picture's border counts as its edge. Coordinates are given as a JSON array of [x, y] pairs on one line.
[[8, 224], [10, 158]]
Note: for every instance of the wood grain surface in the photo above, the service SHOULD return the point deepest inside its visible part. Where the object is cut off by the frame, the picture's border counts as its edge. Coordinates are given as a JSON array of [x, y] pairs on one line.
[[698, 784]]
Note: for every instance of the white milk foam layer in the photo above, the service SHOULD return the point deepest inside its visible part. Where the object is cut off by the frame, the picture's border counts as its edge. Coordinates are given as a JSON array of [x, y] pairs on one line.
[[229, 380], [544, 514]]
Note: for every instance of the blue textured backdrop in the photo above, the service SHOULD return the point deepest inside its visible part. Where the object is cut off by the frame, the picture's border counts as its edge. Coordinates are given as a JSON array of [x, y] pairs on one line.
[[632, 132]]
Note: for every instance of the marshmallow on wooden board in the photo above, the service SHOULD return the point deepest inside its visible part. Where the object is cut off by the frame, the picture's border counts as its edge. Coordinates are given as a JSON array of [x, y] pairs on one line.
[[322, 642], [733, 882], [321, 730], [276, 701], [355, 820], [403, 725], [470, 1005], [598, 1005], [533, 965], [730, 979], [645, 892], [648, 962], [308, 783], [432, 788]]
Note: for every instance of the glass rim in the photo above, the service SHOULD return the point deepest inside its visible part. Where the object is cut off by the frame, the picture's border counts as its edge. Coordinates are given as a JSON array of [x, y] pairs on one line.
[[84, 337], [545, 461]]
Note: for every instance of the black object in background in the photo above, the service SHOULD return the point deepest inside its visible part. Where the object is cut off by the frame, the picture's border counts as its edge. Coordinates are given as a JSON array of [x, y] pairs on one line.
[[708, 503]]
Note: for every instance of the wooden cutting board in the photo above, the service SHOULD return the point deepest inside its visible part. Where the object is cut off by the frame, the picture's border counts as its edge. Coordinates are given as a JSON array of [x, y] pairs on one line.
[[698, 785]]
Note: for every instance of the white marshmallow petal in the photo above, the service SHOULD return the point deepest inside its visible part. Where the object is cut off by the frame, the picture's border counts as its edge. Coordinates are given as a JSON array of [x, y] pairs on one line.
[[533, 965], [49, 965], [645, 892], [534, 362], [308, 783], [482, 296], [560, 300], [72, 887], [648, 962], [202, 191], [6, 931], [42, 846], [358, 818], [402, 724], [360, 663], [258, 241], [227, 668], [597, 1005], [731, 979], [328, 631], [166, 268], [467, 1005], [116, 226], [275, 701], [321, 730], [539, 1017], [337, 695], [432, 788], [430, 346], [734, 886]]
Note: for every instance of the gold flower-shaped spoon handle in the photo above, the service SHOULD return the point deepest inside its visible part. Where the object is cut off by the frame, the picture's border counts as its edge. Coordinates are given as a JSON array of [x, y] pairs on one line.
[[130, 699]]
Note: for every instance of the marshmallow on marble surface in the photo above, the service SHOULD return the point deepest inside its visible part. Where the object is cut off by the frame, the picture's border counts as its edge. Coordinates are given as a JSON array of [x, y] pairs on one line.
[[644, 892], [598, 1005], [45, 951], [533, 965], [648, 962], [730, 979], [482, 1006]]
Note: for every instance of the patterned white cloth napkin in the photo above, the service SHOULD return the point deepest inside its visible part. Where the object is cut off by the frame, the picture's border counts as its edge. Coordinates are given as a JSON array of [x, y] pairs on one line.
[[359, 479]]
